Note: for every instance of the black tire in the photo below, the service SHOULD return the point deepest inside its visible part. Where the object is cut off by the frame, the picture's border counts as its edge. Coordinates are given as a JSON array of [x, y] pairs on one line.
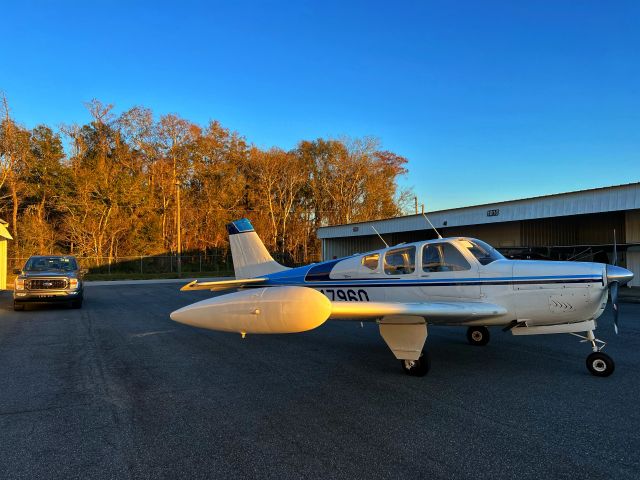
[[76, 304], [478, 336], [417, 368], [600, 364], [17, 307]]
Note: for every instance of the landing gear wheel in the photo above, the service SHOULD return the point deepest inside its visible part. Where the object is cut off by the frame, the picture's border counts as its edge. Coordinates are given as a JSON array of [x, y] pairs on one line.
[[600, 364], [17, 306], [417, 368], [478, 335]]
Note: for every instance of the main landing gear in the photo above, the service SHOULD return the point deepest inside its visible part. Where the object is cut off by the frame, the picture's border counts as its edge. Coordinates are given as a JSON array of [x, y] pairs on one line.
[[419, 367], [599, 364], [478, 335], [405, 336]]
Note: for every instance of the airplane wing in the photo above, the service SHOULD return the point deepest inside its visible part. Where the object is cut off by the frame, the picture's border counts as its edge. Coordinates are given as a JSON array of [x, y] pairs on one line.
[[221, 285], [433, 312]]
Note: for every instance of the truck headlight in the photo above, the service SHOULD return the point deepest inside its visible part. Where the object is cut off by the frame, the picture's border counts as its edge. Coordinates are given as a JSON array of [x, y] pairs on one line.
[[73, 283], [19, 285]]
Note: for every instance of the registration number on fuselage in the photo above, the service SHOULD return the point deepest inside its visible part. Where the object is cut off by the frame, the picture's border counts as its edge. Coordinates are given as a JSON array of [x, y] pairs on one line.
[[345, 295]]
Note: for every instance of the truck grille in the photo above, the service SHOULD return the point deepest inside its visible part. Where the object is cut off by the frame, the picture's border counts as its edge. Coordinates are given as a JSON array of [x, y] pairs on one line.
[[47, 284]]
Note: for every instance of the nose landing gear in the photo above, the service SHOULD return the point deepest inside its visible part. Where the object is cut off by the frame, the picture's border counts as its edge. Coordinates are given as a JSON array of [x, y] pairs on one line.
[[599, 364]]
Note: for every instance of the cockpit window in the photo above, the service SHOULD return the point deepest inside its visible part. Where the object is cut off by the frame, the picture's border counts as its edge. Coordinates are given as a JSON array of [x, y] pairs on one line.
[[400, 261], [443, 257], [483, 252], [371, 261]]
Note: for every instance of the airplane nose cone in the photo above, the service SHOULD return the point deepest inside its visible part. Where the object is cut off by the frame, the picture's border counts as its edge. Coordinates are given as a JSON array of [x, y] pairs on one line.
[[618, 274]]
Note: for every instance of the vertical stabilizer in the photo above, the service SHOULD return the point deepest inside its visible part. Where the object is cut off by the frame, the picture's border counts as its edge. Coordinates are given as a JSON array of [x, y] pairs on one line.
[[250, 257]]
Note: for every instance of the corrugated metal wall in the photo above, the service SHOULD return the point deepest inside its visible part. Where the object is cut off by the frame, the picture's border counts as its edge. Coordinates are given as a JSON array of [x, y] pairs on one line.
[[343, 247], [499, 235], [595, 229], [632, 225], [618, 198]]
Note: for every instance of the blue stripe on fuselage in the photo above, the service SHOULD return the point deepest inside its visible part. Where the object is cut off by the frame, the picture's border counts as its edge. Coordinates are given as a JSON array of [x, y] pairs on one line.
[[299, 276]]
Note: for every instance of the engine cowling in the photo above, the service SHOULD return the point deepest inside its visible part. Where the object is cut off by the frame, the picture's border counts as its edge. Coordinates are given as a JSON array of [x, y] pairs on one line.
[[260, 310]]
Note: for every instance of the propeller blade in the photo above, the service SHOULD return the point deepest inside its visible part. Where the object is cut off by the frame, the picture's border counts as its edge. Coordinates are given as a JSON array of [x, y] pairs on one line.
[[613, 291]]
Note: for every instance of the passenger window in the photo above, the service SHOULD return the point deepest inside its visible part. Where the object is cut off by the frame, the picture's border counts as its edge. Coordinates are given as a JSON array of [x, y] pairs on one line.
[[371, 261], [400, 261], [443, 257]]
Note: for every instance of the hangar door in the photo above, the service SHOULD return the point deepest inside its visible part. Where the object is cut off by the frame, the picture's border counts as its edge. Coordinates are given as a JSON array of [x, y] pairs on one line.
[[633, 264]]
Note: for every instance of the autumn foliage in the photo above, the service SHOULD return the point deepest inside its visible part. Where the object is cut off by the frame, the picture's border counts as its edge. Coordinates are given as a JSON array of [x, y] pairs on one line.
[[108, 188]]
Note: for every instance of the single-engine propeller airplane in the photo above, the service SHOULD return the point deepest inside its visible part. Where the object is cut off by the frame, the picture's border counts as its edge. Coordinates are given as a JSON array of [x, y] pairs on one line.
[[448, 281]]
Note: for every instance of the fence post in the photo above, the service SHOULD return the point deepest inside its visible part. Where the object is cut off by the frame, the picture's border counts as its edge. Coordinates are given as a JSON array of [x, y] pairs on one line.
[[170, 263], [141, 264], [200, 260]]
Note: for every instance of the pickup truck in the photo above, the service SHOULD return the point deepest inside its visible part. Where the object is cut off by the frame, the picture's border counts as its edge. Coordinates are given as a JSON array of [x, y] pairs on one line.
[[48, 279]]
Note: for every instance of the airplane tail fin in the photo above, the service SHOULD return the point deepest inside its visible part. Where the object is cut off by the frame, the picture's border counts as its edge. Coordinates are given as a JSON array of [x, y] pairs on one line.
[[250, 257]]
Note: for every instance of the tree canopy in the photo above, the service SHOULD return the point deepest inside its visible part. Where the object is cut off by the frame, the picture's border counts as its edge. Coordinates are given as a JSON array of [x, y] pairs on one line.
[[108, 188]]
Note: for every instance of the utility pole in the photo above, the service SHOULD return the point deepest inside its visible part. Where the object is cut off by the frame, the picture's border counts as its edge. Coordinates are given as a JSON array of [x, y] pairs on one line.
[[415, 201], [179, 263]]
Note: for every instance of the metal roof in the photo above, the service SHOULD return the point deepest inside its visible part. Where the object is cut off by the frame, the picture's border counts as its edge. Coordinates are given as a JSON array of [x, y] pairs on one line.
[[595, 200]]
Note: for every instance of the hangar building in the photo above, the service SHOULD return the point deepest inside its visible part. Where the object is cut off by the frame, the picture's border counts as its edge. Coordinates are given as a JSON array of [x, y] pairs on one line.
[[566, 226]]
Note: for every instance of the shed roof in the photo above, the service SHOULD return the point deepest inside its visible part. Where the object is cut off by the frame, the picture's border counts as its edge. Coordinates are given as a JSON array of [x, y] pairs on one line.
[[4, 232], [595, 200]]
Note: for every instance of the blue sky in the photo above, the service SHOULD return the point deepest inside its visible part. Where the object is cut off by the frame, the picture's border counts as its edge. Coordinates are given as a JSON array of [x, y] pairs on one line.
[[488, 100]]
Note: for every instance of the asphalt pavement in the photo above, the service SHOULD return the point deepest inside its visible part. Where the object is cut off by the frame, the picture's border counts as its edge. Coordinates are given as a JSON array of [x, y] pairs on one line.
[[117, 390]]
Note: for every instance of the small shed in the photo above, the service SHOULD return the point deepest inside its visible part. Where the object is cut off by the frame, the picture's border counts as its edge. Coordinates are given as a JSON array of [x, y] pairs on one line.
[[4, 236]]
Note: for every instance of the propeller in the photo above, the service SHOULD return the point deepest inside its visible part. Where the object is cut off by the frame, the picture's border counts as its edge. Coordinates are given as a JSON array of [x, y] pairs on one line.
[[613, 292], [613, 288]]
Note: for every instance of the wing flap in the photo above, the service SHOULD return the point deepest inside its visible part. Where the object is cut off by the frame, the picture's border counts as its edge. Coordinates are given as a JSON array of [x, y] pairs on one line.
[[433, 312], [221, 285]]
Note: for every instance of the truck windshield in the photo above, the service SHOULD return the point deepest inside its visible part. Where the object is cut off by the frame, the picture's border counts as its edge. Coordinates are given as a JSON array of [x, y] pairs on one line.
[[483, 252], [42, 264]]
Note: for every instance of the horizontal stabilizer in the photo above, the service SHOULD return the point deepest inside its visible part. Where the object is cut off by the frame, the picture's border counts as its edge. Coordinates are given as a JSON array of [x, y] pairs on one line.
[[433, 312], [221, 285]]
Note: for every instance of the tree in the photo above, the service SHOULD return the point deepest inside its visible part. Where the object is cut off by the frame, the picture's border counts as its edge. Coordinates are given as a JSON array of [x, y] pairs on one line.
[[113, 193]]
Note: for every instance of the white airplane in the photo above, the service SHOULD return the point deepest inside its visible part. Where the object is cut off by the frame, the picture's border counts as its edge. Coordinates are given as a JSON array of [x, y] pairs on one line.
[[449, 281]]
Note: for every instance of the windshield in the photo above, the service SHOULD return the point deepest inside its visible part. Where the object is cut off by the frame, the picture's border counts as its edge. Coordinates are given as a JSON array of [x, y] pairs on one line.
[[43, 264], [483, 252]]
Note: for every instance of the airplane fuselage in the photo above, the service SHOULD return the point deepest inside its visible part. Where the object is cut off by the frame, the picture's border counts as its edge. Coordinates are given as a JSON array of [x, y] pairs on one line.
[[533, 291]]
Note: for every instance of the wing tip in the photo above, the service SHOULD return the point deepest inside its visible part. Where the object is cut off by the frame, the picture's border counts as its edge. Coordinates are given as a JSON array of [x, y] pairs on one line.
[[189, 286]]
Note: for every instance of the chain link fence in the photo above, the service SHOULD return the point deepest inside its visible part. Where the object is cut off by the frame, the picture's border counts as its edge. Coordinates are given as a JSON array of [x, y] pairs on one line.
[[216, 264]]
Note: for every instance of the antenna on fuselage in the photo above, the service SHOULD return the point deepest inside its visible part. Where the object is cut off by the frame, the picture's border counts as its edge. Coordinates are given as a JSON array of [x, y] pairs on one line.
[[385, 243], [429, 221]]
